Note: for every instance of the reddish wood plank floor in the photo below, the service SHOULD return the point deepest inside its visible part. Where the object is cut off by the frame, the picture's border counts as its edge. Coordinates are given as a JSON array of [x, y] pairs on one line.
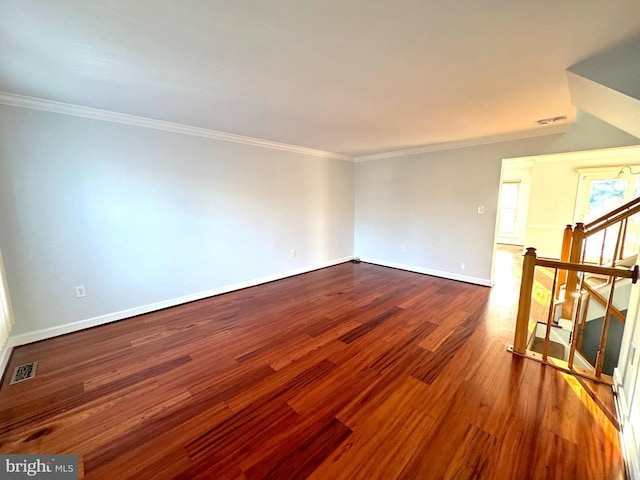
[[351, 372]]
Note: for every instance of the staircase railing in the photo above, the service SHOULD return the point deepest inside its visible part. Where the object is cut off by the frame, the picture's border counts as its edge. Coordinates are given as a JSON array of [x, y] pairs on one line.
[[614, 216], [526, 326], [575, 241]]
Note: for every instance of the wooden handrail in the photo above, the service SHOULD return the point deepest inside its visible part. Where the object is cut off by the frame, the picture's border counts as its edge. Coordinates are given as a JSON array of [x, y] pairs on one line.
[[520, 341], [579, 238], [583, 267], [573, 261], [604, 218], [592, 228]]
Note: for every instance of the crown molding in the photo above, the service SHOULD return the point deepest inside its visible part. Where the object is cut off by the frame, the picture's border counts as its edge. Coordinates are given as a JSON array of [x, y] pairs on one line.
[[34, 103], [627, 155], [471, 142], [527, 163]]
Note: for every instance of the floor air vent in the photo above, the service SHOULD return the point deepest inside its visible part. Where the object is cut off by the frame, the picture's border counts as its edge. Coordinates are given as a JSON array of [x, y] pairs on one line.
[[24, 372]]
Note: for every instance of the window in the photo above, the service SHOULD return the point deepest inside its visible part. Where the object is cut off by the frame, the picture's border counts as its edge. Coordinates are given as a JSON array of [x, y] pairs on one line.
[[508, 214], [604, 196], [599, 192]]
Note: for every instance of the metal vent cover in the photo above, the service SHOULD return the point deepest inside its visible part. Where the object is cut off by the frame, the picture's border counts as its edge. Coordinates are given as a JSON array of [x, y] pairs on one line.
[[23, 372]]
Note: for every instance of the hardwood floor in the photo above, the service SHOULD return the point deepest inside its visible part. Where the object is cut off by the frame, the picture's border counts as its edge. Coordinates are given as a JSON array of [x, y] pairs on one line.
[[354, 371]]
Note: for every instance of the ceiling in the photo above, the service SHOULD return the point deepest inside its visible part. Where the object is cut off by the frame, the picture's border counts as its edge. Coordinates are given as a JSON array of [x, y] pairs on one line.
[[347, 76]]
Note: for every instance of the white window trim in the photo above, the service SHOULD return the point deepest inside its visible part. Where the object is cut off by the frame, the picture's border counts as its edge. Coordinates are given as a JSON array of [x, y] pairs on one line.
[[593, 173], [515, 233]]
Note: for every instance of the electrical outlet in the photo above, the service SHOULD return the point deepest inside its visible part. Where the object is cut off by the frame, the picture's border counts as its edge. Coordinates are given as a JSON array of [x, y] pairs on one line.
[[402, 249], [80, 291], [293, 252], [462, 265], [481, 209]]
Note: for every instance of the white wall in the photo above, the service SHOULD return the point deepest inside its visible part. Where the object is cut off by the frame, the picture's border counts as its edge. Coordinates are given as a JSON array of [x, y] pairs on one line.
[[428, 202], [551, 206], [140, 216], [617, 69], [627, 380]]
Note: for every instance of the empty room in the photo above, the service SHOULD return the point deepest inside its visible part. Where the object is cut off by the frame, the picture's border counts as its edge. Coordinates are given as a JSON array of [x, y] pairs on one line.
[[327, 240]]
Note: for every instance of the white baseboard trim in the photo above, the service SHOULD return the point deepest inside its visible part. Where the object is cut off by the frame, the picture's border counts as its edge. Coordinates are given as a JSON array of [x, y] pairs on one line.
[[628, 435], [30, 337], [428, 271]]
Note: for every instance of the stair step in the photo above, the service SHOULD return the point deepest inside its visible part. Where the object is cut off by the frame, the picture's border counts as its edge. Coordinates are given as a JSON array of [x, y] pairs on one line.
[[556, 350], [565, 324]]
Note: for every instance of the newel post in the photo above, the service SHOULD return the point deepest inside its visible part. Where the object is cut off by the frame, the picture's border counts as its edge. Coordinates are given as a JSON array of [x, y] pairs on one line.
[[524, 304], [564, 257], [572, 277]]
